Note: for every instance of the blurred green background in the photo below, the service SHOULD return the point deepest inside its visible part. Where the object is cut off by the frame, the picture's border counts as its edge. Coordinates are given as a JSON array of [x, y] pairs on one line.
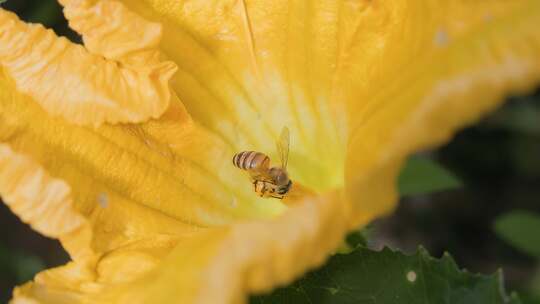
[[486, 216]]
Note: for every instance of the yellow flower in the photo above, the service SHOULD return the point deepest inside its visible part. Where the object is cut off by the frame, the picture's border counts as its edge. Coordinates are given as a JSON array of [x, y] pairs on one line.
[[122, 148]]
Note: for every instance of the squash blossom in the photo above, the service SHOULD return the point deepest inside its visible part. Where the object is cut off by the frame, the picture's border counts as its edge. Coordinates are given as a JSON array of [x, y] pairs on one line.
[[122, 148]]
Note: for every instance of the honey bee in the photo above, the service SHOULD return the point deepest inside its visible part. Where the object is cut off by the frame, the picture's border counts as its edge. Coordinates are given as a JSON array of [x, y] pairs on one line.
[[267, 181]]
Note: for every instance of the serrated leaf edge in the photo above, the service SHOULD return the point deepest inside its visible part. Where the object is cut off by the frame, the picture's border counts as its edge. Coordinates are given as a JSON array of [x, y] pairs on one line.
[[498, 275]]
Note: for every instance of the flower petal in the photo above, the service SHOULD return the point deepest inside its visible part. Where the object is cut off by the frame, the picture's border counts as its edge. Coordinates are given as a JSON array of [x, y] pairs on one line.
[[448, 85], [128, 230], [112, 31], [322, 69], [216, 265], [134, 181], [40, 200], [44, 202], [80, 283], [249, 68], [83, 88]]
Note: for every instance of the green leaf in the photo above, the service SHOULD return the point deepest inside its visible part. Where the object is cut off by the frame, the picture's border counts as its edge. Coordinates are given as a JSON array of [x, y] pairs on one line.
[[26, 266], [521, 229], [18, 265], [520, 117], [423, 175], [390, 277], [2, 1], [46, 12], [354, 240]]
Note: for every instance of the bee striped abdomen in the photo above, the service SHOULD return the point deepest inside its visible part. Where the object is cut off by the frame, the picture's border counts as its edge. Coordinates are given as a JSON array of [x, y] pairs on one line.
[[249, 160]]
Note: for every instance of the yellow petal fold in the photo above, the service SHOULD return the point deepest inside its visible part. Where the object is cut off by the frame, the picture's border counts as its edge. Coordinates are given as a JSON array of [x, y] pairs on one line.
[[130, 237], [40, 200], [248, 68], [211, 266], [83, 88], [43, 202], [250, 256], [134, 181], [469, 74], [112, 31]]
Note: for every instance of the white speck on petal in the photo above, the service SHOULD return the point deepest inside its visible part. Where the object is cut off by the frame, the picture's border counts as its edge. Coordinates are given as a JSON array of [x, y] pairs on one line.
[[234, 202], [441, 38], [411, 276], [103, 200]]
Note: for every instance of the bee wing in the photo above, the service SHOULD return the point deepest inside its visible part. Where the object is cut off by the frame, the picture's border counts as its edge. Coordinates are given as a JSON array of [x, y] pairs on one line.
[[283, 147], [259, 175]]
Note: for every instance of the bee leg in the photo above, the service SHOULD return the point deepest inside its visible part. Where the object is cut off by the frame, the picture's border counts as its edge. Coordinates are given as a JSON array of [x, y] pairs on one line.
[[278, 196], [263, 190]]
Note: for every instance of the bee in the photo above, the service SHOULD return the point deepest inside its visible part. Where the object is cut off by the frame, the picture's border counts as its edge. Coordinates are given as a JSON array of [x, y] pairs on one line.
[[267, 181]]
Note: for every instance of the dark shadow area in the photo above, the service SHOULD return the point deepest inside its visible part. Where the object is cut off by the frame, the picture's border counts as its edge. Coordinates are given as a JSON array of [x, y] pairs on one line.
[[46, 12], [23, 252]]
